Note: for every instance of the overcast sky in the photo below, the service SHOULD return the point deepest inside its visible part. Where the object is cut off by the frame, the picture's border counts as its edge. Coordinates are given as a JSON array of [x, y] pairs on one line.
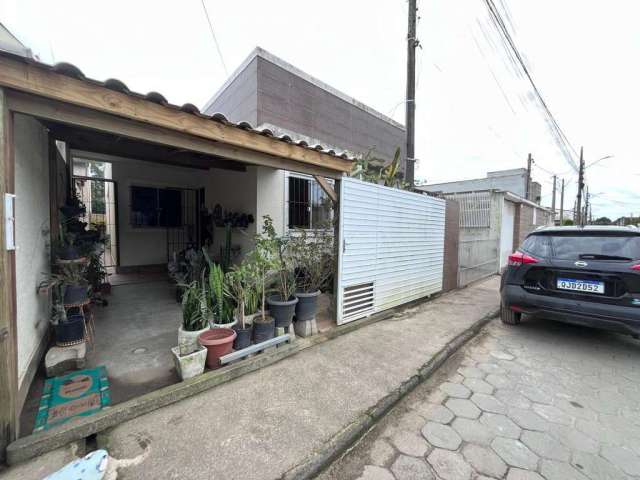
[[475, 112]]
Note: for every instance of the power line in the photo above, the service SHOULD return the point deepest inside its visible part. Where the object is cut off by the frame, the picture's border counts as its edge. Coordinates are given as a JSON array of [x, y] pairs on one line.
[[561, 138], [215, 40]]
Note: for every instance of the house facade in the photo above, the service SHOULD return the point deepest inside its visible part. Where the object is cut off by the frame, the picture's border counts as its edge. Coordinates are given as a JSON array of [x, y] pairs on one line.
[[274, 95]]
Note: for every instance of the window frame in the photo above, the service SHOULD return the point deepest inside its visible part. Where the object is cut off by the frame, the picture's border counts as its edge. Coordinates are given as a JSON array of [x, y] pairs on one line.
[[159, 224], [287, 175]]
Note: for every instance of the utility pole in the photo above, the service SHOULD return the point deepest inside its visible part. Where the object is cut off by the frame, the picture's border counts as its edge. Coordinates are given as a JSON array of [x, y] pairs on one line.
[[412, 43], [562, 203], [580, 189], [528, 186], [585, 217], [553, 199]]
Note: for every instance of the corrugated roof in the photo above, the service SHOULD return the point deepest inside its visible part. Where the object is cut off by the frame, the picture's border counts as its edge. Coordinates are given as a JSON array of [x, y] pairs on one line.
[[117, 85]]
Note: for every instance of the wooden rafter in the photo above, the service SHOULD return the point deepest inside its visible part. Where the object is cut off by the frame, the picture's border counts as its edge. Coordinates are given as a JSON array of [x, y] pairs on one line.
[[328, 189], [39, 80]]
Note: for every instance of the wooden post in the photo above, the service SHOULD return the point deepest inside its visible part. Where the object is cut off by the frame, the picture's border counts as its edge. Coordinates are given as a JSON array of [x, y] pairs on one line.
[[8, 339]]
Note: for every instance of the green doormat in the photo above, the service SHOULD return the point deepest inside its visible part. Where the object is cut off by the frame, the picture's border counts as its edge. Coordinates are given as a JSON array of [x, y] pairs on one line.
[[78, 394]]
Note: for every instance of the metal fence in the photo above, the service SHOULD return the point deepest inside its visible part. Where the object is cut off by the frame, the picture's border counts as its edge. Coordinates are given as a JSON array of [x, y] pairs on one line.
[[475, 208]]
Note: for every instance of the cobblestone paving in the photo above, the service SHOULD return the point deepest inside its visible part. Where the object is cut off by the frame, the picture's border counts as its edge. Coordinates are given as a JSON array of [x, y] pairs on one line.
[[539, 400]]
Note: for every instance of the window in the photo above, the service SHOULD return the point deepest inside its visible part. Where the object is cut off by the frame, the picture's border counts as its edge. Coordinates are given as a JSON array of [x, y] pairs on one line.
[[155, 207], [307, 204], [574, 247]]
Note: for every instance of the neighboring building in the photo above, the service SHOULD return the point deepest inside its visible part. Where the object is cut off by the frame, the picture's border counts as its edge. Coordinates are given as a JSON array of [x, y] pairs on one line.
[[513, 180], [9, 43], [493, 223], [272, 94]]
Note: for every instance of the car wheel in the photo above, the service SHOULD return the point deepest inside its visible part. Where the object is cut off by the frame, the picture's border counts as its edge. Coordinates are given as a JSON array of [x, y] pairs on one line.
[[508, 316]]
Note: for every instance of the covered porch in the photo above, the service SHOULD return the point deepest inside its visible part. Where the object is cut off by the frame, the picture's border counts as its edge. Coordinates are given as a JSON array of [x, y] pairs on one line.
[[55, 123]]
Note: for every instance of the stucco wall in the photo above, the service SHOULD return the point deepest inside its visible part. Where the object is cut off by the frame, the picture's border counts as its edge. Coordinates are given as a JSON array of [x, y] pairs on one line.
[[270, 197], [32, 227], [526, 223], [237, 192]]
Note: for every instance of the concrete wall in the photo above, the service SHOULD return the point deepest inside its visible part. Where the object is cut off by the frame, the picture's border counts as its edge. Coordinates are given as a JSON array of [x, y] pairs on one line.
[[511, 181], [525, 223], [293, 103], [32, 239], [480, 247], [270, 198], [239, 100]]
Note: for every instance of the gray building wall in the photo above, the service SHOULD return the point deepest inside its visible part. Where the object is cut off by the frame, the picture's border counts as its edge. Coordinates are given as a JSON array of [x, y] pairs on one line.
[[513, 180], [268, 91]]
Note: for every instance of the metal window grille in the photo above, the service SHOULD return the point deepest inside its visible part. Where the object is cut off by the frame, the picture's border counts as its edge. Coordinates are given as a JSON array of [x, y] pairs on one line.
[[475, 208], [307, 204]]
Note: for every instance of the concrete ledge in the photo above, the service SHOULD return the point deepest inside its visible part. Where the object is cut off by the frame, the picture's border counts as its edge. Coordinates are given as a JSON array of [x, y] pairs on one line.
[[342, 441], [34, 445]]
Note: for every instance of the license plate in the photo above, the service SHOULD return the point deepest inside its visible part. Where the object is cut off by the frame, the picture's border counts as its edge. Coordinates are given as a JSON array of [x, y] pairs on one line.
[[588, 286]]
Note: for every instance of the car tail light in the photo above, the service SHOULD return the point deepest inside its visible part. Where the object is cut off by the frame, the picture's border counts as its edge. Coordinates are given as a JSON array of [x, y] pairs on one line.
[[518, 258], [636, 267]]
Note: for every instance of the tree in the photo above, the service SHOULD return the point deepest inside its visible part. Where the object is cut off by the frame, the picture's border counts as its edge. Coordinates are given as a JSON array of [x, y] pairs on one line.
[[602, 221]]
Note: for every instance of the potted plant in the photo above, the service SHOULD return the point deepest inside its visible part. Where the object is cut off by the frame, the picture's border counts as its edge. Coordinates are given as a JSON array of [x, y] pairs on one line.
[[220, 305], [195, 317], [240, 288], [72, 277], [68, 327], [313, 255], [261, 262], [282, 304]]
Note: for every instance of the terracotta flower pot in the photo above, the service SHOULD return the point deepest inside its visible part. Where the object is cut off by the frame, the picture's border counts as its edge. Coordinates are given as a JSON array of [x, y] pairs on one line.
[[218, 342]]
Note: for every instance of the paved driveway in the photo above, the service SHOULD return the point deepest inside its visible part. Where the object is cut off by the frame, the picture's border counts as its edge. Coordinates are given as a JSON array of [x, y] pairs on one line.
[[539, 400]]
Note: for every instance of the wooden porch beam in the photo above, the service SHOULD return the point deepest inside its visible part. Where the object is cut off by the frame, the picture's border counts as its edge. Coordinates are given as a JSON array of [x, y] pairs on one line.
[[8, 339], [328, 189], [72, 115], [39, 80]]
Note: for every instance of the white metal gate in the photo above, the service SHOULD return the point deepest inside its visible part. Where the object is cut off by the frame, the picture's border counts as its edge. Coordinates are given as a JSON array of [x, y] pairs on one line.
[[391, 248]]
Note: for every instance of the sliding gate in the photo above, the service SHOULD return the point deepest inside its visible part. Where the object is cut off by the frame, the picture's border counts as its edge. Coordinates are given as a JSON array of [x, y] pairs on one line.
[[391, 248]]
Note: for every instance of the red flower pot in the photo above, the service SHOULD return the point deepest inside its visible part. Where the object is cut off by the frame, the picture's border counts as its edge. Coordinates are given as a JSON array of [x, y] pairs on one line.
[[218, 342]]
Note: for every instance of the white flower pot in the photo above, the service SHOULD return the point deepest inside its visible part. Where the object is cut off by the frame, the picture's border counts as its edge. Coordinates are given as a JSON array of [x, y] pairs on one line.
[[191, 365], [188, 341], [223, 325]]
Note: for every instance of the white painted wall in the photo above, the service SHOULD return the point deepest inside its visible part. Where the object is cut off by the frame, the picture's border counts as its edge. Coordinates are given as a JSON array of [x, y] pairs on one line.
[[237, 192], [32, 237], [507, 231], [271, 197]]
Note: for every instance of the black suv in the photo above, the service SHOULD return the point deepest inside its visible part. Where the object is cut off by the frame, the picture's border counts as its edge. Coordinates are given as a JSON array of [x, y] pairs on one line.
[[583, 275]]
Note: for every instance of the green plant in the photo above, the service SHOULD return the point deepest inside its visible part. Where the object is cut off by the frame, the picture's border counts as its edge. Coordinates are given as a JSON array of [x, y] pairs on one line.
[[219, 302], [371, 169], [71, 274], [260, 262], [282, 260], [238, 285], [225, 250], [196, 309], [313, 256]]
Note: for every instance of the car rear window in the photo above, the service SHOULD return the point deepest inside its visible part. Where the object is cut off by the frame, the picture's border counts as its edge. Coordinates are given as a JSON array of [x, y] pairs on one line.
[[571, 247]]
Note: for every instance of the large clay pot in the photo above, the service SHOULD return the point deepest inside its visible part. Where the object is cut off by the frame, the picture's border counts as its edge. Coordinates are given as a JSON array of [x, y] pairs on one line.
[[282, 311], [307, 306], [218, 342]]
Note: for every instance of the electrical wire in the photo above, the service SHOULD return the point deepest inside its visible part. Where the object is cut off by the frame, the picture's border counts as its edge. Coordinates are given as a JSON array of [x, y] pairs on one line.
[[215, 40], [516, 57]]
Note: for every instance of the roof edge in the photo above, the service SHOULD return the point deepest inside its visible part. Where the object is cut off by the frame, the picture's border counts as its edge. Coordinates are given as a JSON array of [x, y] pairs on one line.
[[270, 57]]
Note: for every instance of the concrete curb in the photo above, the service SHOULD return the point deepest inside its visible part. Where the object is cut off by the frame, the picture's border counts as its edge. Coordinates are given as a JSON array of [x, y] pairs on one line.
[[346, 438]]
